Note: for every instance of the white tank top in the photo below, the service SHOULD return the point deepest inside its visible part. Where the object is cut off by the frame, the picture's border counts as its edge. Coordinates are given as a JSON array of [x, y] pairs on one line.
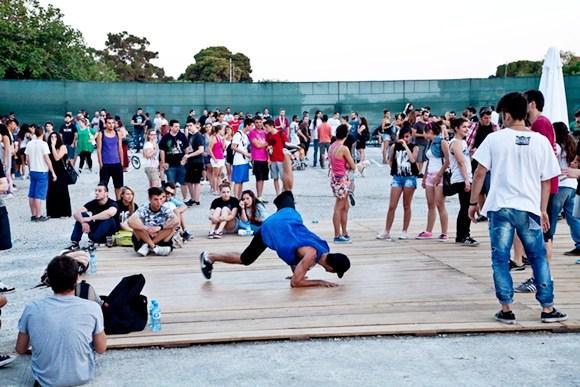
[[456, 176]]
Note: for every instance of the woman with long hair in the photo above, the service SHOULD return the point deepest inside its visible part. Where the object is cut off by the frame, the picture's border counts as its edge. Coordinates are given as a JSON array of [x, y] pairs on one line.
[[216, 152], [564, 199], [85, 144], [253, 211], [361, 141], [385, 137], [404, 171], [151, 159], [341, 163], [224, 212], [58, 197], [126, 207], [460, 165], [437, 164]]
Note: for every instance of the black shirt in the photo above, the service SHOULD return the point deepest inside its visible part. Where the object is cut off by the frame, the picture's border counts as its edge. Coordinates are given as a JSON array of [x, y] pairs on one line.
[[140, 120], [195, 141], [123, 212], [68, 133], [221, 203], [482, 133], [94, 207], [174, 148], [402, 166]]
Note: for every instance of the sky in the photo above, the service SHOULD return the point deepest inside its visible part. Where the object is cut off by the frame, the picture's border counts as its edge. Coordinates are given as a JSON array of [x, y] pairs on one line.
[[339, 40]]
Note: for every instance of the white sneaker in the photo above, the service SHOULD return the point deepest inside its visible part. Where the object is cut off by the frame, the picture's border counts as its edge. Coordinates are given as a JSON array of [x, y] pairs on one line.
[[144, 250], [6, 359], [162, 250], [403, 235], [384, 236]]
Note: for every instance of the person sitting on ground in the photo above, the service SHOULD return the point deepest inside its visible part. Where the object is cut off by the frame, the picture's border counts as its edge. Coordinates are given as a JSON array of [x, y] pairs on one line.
[[4, 359], [285, 233], [176, 206], [100, 224], [63, 330], [253, 212], [153, 225], [126, 207], [224, 212]]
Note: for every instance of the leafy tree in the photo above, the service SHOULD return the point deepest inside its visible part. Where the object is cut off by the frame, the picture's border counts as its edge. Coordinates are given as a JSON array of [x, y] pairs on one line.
[[129, 57], [35, 43], [212, 64], [525, 68]]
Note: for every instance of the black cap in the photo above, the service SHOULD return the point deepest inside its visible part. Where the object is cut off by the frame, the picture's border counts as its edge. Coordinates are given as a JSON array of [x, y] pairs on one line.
[[339, 263]]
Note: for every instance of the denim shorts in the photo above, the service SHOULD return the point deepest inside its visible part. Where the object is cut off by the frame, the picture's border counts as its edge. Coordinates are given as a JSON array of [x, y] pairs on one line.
[[404, 182], [71, 152], [175, 174], [38, 185]]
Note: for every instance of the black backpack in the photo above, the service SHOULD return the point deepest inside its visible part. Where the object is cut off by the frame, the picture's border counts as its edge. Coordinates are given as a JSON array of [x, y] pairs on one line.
[[125, 309]]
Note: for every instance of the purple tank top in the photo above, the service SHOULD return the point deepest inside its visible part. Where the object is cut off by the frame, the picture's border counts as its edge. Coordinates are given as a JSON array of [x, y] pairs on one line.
[[110, 151]]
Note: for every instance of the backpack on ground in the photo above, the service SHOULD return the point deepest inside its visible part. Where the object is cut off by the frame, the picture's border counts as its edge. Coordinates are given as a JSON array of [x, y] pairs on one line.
[[125, 308], [84, 290]]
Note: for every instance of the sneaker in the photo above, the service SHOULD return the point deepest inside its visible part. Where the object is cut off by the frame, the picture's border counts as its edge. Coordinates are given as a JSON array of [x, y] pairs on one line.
[[578, 262], [481, 218], [186, 236], [34, 219], [527, 286], [6, 359], [74, 246], [162, 250], [91, 245], [5, 288], [573, 253], [143, 250], [351, 199], [403, 236], [505, 317], [42, 218], [443, 238], [385, 236], [554, 316], [470, 242], [347, 237], [189, 203], [425, 235], [210, 235], [218, 235], [205, 265], [514, 266], [341, 240]]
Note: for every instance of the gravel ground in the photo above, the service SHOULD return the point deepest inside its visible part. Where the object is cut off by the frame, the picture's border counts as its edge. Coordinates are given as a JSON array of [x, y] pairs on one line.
[[372, 361]]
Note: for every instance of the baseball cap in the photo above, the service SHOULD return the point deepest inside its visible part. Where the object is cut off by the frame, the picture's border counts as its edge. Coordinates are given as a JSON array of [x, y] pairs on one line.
[[339, 263]]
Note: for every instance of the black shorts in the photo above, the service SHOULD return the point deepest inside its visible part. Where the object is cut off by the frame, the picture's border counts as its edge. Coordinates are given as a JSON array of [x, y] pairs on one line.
[[254, 250], [109, 171], [193, 173], [138, 243], [261, 170], [548, 236]]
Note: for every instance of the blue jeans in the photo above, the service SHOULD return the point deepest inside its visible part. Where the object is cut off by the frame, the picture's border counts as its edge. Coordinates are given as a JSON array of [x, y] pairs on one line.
[[315, 150], [100, 230], [565, 199], [175, 174], [502, 225]]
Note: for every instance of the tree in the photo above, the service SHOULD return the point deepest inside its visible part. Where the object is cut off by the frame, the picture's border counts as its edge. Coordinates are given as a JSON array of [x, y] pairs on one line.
[[526, 68], [35, 43], [129, 57], [212, 64]]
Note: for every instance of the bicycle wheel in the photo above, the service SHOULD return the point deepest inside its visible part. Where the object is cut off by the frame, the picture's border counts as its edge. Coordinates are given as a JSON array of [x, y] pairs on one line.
[[135, 162]]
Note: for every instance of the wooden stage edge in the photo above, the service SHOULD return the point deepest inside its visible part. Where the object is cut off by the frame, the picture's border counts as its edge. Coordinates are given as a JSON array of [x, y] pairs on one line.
[[404, 288]]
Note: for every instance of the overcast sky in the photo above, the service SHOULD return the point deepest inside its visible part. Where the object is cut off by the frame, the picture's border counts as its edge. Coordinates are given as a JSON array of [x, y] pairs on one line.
[[342, 40]]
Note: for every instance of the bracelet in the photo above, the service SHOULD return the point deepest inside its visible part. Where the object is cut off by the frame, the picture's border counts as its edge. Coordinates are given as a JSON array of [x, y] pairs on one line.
[[473, 204]]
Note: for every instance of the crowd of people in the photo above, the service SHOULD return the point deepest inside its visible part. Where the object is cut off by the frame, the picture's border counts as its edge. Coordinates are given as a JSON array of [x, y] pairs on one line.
[[516, 170]]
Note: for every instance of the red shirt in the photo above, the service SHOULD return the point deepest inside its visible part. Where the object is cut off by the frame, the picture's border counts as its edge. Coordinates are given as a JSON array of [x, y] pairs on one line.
[[543, 126], [324, 133], [235, 125], [277, 142]]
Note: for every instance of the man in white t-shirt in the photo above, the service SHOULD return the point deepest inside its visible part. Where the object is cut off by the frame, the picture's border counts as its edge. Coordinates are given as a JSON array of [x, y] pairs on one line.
[[242, 157], [521, 163], [334, 122], [39, 164]]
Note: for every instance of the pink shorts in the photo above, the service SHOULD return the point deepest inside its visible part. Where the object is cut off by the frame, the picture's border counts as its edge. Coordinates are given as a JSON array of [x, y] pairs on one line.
[[430, 179]]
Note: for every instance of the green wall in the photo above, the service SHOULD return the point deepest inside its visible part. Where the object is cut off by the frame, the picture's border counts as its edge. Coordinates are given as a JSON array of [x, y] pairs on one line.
[[39, 101]]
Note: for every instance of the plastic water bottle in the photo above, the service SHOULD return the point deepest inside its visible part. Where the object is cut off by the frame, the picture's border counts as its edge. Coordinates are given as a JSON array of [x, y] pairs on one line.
[[155, 313], [92, 260]]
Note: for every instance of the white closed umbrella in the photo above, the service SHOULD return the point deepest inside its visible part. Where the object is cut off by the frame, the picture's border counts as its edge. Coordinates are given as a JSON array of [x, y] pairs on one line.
[[552, 86]]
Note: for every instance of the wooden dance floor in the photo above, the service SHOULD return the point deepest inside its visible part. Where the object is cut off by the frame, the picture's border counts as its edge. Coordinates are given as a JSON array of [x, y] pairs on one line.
[[393, 288]]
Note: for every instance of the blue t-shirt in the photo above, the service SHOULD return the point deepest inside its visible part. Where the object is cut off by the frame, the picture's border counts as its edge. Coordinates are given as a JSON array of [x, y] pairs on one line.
[[61, 330], [285, 232]]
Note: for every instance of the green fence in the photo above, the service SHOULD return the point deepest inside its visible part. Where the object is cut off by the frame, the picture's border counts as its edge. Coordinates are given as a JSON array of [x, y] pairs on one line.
[[39, 101]]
